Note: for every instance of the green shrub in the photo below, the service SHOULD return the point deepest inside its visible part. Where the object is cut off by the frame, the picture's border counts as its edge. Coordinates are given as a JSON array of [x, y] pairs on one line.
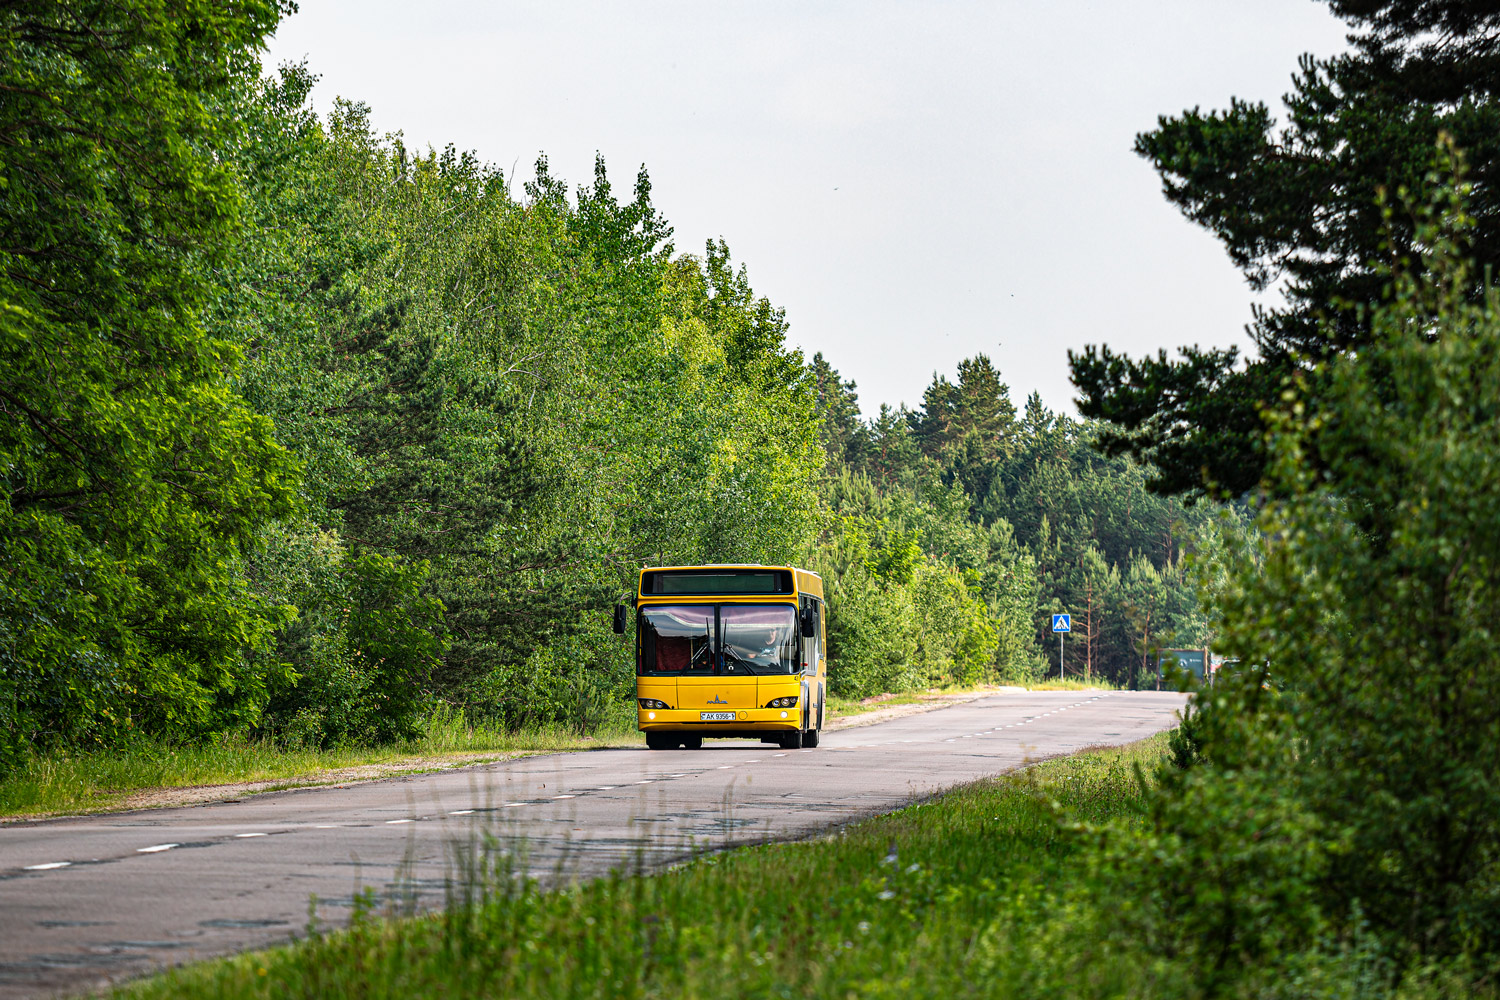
[[584, 681], [1364, 789], [370, 638], [1185, 743]]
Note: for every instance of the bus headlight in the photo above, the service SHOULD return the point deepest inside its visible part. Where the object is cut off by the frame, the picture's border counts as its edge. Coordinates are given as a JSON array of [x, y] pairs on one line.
[[652, 703], [788, 702]]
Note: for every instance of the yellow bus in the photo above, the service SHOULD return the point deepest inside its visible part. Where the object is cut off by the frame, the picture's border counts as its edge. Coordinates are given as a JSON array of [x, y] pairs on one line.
[[729, 651]]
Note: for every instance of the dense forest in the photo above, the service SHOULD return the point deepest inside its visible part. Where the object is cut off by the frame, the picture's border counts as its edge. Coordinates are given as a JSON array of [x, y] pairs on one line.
[[309, 437], [306, 431]]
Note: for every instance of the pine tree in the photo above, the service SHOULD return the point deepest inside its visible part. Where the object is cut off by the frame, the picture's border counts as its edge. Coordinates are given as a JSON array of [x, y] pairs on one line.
[[1296, 203]]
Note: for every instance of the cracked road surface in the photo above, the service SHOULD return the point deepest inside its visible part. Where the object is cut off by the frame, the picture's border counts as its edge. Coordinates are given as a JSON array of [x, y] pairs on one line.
[[90, 901]]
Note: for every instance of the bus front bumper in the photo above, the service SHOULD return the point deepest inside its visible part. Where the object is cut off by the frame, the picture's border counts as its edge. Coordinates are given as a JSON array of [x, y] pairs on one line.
[[685, 720]]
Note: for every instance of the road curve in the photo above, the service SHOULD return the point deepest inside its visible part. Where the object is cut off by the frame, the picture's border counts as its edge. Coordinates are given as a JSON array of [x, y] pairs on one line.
[[89, 901]]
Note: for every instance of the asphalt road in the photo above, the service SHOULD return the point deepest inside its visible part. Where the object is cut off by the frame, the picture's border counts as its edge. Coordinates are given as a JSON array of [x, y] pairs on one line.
[[89, 901]]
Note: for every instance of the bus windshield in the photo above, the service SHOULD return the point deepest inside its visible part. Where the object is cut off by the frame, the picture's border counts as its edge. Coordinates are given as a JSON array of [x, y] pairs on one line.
[[726, 639], [759, 638], [677, 639]]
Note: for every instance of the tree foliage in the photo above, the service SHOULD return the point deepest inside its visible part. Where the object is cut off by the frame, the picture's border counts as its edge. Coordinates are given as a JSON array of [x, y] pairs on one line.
[[1343, 782], [1027, 517], [1294, 203], [132, 477]]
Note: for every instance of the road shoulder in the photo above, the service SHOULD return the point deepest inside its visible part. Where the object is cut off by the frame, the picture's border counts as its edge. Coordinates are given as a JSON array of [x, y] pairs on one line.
[[176, 796]]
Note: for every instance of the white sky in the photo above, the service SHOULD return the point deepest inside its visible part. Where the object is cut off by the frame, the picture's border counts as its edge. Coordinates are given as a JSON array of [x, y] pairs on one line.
[[913, 182]]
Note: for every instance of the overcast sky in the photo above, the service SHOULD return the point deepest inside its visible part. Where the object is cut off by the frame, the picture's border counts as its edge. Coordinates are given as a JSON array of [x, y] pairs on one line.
[[913, 182]]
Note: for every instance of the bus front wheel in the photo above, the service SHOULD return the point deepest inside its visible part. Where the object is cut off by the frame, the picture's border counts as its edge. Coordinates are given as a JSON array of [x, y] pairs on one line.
[[661, 741]]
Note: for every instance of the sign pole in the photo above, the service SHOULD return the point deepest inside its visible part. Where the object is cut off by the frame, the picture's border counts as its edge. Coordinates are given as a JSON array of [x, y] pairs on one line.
[[1061, 624]]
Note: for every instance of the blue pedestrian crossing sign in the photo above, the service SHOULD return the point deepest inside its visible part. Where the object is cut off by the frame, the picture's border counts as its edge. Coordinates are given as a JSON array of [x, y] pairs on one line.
[[1062, 623]]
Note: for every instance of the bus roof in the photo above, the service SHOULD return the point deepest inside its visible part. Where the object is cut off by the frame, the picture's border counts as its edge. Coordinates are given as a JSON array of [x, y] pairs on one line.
[[805, 581]]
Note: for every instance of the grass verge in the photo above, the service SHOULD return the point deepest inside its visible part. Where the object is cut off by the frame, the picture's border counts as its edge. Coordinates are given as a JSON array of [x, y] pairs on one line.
[[1073, 684], [83, 782], [940, 899], [844, 708]]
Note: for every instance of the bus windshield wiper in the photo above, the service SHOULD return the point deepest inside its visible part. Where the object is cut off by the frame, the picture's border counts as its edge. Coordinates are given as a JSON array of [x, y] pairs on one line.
[[705, 651]]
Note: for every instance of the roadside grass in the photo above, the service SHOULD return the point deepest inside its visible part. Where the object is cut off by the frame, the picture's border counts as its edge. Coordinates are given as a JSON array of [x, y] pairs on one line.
[[94, 781], [839, 707], [1072, 684], [842, 708], [962, 896]]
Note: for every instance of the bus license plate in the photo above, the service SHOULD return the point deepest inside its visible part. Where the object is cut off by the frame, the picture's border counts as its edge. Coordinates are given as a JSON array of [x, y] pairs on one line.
[[715, 716]]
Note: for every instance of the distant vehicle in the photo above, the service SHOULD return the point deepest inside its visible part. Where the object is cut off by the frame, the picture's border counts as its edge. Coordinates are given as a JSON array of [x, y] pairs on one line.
[[729, 651], [1200, 662]]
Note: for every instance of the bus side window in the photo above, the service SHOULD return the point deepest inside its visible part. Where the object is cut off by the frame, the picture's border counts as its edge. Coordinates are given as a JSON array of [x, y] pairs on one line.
[[810, 646], [822, 634]]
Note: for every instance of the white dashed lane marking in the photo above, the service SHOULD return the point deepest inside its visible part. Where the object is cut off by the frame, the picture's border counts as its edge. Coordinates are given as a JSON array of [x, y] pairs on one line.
[[158, 848]]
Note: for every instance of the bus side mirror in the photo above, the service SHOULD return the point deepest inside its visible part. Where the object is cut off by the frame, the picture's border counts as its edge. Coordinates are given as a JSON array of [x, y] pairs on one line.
[[809, 622], [619, 619]]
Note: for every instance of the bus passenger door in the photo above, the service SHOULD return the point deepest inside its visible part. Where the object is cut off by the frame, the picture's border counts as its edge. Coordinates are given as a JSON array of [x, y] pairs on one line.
[[812, 695]]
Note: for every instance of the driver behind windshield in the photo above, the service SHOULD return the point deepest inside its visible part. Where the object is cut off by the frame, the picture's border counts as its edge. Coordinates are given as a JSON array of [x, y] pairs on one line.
[[758, 648]]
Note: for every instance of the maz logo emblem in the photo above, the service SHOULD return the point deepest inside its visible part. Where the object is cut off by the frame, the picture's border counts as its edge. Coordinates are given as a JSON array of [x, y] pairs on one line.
[[718, 701]]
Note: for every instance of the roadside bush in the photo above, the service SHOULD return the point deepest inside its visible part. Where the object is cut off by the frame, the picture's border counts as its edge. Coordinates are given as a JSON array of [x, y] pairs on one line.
[[898, 619], [1185, 743], [1376, 609], [1224, 878], [58, 684], [1364, 790], [397, 634], [583, 681], [956, 639], [369, 638], [96, 646], [871, 638]]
